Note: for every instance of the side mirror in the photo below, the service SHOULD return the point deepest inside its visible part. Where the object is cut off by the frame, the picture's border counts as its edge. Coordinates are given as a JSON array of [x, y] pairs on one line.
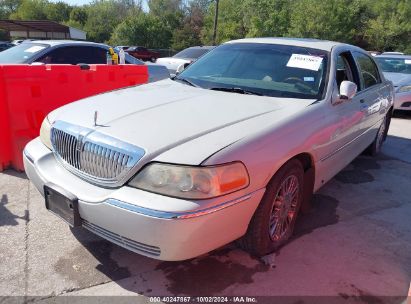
[[348, 90], [182, 67]]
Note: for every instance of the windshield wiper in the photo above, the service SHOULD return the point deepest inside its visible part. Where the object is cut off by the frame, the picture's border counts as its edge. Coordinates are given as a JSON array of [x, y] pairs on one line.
[[186, 81], [237, 90]]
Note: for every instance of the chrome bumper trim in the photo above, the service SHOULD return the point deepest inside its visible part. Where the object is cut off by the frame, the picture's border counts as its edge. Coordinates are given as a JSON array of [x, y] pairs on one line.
[[175, 215]]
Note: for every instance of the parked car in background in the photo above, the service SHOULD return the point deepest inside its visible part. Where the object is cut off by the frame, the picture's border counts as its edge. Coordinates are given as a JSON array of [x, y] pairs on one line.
[[5, 45], [124, 47], [70, 52], [397, 68], [231, 148], [374, 53], [18, 41], [392, 53], [185, 57], [142, 53]]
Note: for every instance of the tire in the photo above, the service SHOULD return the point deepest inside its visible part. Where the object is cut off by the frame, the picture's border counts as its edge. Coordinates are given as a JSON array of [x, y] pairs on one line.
[[376, 145], [153, 59], [262, 238]]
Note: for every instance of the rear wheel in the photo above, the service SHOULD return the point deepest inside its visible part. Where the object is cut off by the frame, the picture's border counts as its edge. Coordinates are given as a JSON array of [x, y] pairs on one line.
[[273, 222], [153, 59]]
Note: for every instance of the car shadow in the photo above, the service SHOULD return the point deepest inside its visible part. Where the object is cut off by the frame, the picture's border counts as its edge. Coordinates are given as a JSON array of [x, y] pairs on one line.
[[402, 114], [14, 173]]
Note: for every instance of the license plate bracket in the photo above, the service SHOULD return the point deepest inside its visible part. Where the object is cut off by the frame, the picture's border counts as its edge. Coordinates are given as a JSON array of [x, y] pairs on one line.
[[63, 204]]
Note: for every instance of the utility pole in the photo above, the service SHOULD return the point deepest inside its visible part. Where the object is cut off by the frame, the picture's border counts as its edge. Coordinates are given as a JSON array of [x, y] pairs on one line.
[[215, 22]]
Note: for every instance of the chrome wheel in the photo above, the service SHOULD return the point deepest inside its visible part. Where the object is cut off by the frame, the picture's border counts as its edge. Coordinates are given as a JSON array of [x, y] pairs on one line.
[[284, 209]]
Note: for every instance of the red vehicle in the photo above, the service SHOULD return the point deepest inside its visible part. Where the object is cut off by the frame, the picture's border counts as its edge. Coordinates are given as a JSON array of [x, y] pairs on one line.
[[142, 53]]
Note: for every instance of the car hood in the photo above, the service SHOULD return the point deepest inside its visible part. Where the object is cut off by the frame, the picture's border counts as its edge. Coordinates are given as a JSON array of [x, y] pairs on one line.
[[163, 115], [398, 79]]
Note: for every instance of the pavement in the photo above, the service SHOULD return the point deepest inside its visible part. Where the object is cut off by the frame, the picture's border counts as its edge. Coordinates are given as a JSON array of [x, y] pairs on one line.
[[354, 246]]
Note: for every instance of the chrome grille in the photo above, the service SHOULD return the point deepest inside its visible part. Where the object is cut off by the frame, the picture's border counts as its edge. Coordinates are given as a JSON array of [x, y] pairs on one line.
[[102, 162], [93, 155]]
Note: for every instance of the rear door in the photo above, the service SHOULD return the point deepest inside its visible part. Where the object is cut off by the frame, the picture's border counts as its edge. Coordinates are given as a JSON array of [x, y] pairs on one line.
[[372, 93]]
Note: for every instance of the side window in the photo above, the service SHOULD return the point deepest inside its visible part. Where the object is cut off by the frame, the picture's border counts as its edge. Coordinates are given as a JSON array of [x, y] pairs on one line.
[[368, 70], [346, 69], [57, 56], [98, 55], [75, 55]]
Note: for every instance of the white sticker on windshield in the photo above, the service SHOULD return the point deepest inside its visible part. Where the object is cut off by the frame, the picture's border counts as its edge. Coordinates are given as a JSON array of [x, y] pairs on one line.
[[308, 79], [305, 62], [34, 49], [407, 61]]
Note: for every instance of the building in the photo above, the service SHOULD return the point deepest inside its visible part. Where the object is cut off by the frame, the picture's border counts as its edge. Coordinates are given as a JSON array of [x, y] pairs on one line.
[[41, 29]]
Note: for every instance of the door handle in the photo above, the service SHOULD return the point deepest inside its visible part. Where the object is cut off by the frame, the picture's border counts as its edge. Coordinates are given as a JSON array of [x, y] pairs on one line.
[[362, 100]]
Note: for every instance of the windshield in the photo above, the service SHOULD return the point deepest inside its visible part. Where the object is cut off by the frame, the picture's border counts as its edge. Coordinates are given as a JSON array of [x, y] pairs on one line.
[[395, 65], [191, 53], [21, 53], [264, 69]]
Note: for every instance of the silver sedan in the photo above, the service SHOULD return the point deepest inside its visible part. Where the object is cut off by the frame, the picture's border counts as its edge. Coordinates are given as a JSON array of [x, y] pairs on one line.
[[230, 149], [397, 68]]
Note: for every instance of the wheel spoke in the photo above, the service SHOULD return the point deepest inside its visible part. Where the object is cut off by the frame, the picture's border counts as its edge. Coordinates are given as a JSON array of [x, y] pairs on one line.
[[284, 208]]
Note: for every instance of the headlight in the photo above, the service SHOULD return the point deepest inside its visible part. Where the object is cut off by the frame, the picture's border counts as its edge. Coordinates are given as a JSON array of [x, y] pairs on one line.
[[192, 182], [45, 133], [405, 88]]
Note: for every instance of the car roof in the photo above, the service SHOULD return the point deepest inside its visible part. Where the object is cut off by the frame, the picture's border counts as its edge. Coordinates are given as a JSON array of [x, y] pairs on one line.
[[392, 53], [324, 45], [207, 47], [393, 56], [65, 42]]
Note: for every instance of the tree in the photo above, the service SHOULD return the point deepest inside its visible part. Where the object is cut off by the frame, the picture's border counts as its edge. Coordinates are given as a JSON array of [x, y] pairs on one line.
[[31, 10], [105, 15], [160, 8], [267, 17], [231, 23], [339, 20], [389, 28], [7, 7], [143, 29], [79, 14], [59, 11], [189, 33]]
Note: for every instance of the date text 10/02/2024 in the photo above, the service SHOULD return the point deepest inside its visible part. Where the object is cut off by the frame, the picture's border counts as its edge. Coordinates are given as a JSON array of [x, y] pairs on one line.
[[202, 300]]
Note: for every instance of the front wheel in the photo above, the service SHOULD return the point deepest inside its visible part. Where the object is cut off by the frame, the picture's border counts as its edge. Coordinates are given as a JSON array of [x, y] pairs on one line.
[[273, 222], [376, 145]]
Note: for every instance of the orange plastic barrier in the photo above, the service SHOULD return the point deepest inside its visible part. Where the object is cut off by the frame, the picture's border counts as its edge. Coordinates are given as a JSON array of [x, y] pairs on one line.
[[29, 93]]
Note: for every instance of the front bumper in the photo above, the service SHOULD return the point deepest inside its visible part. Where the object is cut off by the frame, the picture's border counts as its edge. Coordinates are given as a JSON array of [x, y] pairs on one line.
[[402, 101], [172, 229]]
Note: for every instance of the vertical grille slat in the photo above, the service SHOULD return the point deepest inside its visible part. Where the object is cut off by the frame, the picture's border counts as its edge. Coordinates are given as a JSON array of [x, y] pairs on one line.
[[95, 160]]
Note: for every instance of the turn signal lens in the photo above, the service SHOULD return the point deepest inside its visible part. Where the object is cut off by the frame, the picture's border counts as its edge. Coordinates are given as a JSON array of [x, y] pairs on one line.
[[45, 130], [191, 182]]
